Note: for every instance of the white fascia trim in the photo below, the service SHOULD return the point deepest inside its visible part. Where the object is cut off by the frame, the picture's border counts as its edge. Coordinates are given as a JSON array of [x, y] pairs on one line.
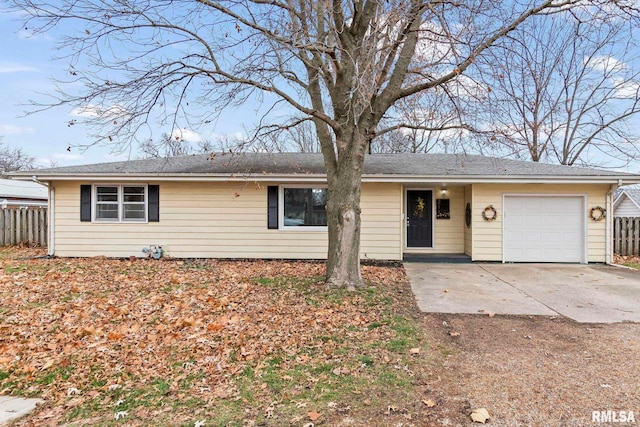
[[450, 179]]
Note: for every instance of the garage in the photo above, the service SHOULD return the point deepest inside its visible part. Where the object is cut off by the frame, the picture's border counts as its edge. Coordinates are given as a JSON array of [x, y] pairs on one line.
[[544, 228]]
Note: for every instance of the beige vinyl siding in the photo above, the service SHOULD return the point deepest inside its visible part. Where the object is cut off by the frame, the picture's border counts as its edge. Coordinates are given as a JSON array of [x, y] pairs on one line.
[[381, 229], [449, 233], [487, 236], [220, 220]]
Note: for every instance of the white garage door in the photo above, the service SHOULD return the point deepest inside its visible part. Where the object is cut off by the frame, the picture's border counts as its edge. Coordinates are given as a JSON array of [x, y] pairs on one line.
[[544, 229]]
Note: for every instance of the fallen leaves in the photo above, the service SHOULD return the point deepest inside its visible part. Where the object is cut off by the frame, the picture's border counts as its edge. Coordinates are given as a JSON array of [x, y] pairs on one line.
[[429, 403], [480, 415], [314, 416], [94, 331]]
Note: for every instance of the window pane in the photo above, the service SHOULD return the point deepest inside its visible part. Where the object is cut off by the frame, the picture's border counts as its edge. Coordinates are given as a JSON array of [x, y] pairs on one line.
[[107, 211], [305, 207], [134, 211], [107, 194], [133, 194]]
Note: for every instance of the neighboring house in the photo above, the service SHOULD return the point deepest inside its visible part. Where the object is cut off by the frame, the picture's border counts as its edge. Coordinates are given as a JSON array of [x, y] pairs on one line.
[[22, 194], [627, 202], [272, 206]]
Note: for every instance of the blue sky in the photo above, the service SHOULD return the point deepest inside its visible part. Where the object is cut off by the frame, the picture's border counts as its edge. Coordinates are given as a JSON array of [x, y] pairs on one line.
[[26, 73], [28, 70]]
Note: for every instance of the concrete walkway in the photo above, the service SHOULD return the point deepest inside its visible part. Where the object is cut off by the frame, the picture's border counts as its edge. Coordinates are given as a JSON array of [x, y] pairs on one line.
[[12, 408], [585, 293]]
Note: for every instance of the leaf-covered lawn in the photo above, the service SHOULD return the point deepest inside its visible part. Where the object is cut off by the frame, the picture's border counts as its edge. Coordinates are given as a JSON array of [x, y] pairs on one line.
[[208, 343], [628, 261]]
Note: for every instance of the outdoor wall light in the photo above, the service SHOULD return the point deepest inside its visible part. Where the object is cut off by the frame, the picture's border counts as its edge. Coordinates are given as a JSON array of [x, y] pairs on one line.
[[444, 192]]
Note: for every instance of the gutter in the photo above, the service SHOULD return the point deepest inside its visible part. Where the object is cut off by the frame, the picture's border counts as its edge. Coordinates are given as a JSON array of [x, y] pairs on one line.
[[51, 244], [322, 178], [608, 232]]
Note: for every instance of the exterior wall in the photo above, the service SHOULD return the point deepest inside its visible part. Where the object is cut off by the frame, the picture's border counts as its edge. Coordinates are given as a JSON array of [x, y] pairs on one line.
[[487, 236], [229, 220], [449, 233], [221, 220], [626, 208]]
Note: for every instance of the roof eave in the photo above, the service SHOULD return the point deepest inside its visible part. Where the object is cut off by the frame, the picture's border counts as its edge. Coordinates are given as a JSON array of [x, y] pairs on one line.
[[263, 177]]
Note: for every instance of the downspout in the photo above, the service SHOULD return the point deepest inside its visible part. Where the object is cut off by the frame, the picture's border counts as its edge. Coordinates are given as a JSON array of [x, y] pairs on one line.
[[50, 215], [608, 232], [52, 223]]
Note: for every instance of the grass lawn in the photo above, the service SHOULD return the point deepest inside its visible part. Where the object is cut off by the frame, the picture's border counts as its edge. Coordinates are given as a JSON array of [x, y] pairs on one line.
[[209, 343]]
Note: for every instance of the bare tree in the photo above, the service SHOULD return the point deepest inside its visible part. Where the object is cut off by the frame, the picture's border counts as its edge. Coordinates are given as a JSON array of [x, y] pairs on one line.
[[342, 65], [565, 90], [434, 120], [300, 138], [171, 146], [13, 159]]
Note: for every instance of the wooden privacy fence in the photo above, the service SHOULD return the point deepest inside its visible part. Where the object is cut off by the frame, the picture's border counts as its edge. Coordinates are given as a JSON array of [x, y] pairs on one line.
[[23, 226], [626, 236]]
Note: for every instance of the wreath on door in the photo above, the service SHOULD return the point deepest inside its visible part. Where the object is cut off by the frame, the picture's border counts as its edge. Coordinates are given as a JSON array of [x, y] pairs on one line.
[[418, 211]]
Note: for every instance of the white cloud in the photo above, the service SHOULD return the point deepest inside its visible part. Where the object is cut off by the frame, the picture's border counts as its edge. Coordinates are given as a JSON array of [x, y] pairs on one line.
[[626, 89], [14, 130], [14, 67], [187, 135], [605, 64]]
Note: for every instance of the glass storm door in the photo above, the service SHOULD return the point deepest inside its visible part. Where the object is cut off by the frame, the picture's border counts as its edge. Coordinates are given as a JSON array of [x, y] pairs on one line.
[[419, 219]]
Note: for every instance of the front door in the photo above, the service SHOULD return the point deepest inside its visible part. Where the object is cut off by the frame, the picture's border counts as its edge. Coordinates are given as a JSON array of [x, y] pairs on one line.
[[419, 219]]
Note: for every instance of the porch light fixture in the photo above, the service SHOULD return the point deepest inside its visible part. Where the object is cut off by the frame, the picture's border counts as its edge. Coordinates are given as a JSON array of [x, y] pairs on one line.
[[444, 192]]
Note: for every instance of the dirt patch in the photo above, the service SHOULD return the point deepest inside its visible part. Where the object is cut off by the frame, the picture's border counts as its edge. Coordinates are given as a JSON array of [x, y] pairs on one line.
[[533, 371]]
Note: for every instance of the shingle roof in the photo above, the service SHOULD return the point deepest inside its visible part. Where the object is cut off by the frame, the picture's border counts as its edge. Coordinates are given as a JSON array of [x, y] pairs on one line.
[[632, 192], [297, 164]]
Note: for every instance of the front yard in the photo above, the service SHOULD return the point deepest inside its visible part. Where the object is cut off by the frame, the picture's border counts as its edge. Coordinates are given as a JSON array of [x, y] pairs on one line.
[[208, 343], [215, 343]]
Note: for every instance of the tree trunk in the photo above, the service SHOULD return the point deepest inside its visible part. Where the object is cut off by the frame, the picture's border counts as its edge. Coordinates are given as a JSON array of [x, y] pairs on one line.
[[343, 220]]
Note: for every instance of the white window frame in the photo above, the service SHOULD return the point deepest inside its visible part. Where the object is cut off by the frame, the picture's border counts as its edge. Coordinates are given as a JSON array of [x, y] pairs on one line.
[[281, 225], [121, 203]]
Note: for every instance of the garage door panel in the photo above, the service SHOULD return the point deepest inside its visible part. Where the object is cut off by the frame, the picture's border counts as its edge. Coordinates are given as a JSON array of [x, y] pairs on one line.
[[544, 229]]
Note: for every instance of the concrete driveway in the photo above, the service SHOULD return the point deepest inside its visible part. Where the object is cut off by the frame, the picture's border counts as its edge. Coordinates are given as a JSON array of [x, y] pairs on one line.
[[585, 293]]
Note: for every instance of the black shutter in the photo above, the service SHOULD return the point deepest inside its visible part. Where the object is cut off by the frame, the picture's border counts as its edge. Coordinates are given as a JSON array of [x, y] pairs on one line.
[[153, 192], [272, 207], [85, 203]]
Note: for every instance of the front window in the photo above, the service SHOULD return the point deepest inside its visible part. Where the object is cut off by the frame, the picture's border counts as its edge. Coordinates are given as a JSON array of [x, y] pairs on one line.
[[305, 207], [121, 203]]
